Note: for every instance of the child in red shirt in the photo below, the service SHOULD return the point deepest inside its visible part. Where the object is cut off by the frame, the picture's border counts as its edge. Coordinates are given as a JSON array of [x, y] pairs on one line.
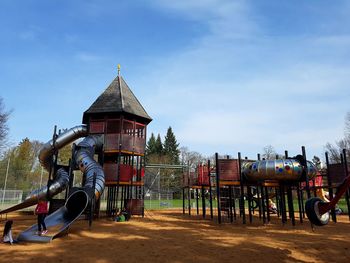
[[41, 210]]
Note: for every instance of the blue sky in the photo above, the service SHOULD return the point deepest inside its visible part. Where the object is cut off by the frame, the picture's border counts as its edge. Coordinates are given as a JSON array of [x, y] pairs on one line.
[[228, 76]]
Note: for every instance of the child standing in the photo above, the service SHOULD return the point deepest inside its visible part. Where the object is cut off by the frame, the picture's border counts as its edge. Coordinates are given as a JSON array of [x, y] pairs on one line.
[[41, 211]]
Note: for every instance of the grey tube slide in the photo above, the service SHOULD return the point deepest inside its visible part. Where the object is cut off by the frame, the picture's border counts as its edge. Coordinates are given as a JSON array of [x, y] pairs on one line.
[[83, 158]]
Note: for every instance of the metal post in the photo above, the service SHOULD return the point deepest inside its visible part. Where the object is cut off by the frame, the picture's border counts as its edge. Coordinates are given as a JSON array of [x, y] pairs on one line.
[[346, 175], [306, 173], [242, 206], [159, 185], [188, 189], [203, 201], [210, 192], [41, 176], [290, 204], [267, 204], [283, 204], [197, 201], [330, 188], [218, 187], [7, 172], [93, 199], [230, 202], [183, 200]]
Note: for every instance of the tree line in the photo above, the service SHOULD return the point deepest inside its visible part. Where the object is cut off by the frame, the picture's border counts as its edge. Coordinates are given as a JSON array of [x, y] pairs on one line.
[[23, 168], [159, 152]]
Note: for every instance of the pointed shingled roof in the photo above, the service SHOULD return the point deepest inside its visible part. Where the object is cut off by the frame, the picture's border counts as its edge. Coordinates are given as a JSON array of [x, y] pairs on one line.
[[118, 98]]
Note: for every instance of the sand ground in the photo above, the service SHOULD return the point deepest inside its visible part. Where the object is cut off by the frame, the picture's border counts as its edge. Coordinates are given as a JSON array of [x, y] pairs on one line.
[[169, 236]]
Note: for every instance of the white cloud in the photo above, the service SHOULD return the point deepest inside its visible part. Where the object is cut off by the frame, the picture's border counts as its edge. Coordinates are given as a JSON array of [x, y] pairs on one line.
[[236, 88], [88, 57]]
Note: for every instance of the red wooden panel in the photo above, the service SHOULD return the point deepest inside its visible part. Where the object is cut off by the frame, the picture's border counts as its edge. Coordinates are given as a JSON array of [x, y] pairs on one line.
[[318, 181], [111, 172], [125, 173], [336, 173], [228, 170], [189, 179], [203, 176], [193, 178], [140, 130], [111, 142], [127, 142], [128, 127], [113, 126], [139, 146], [134, 172], [135, 206], [97, 127]]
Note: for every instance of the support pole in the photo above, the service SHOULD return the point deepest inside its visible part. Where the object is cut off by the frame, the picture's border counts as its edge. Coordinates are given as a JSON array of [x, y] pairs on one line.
[[330, 188], [242, 206], [183, 201], [7, 172], [305, 170], [203, 202], [210, 192], [230, 202], [218, 187], [197, 201], [346, 175]]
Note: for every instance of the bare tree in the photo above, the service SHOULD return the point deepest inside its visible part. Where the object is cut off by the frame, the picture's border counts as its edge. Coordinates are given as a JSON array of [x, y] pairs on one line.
[[334, 151], [347, 126], [269, 153], [4, 116], [190, 157]]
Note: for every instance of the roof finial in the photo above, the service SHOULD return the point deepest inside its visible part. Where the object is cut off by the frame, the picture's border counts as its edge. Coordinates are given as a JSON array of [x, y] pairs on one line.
[[118, 69]]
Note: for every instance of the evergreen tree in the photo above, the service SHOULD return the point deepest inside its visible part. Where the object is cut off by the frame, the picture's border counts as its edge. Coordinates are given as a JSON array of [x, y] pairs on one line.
[[171, 147], [154, 149], [150, 147], [159, 146]]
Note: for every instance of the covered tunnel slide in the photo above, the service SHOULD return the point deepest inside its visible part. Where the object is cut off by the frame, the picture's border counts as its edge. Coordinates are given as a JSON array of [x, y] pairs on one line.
[[79, 199]]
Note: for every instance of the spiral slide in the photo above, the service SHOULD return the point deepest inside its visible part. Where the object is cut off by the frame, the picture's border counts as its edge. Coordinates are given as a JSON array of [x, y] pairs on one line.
[[79, 198]]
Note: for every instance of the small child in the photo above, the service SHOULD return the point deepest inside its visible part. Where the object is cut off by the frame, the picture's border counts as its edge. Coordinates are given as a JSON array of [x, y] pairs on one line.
[[41, 211], [7, 235], [126, 214], [119, 216]]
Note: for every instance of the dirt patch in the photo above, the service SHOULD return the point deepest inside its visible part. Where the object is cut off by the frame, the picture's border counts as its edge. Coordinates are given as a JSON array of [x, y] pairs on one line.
[[168, 236]]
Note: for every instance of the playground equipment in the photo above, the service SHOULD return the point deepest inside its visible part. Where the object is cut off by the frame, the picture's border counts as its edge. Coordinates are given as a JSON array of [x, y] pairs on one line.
[[317, 209], [258, 182], [280, 170], [114, 128]]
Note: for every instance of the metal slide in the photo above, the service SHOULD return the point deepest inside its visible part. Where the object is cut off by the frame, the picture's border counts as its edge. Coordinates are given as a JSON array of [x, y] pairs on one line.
[[59, 221], [78, 200]]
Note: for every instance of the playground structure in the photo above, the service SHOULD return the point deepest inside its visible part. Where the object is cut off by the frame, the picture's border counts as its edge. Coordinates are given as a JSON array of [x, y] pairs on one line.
[[114, 132], [112, 156], [253, 184]]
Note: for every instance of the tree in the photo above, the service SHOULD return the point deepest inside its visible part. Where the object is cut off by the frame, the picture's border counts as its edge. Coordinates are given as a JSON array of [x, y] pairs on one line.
[[317, 161], [4, 116], [269, 153], [334, 151], [64, 154], [191, 157], [24, 170], [171, 147], [151, 145], [159, 146]]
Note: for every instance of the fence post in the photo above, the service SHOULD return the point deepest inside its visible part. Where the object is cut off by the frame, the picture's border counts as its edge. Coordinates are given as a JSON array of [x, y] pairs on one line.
[[7, 172]]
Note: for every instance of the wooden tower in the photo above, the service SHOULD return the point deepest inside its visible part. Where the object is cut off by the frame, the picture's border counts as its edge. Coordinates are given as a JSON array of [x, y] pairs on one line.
[[120, 118]]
